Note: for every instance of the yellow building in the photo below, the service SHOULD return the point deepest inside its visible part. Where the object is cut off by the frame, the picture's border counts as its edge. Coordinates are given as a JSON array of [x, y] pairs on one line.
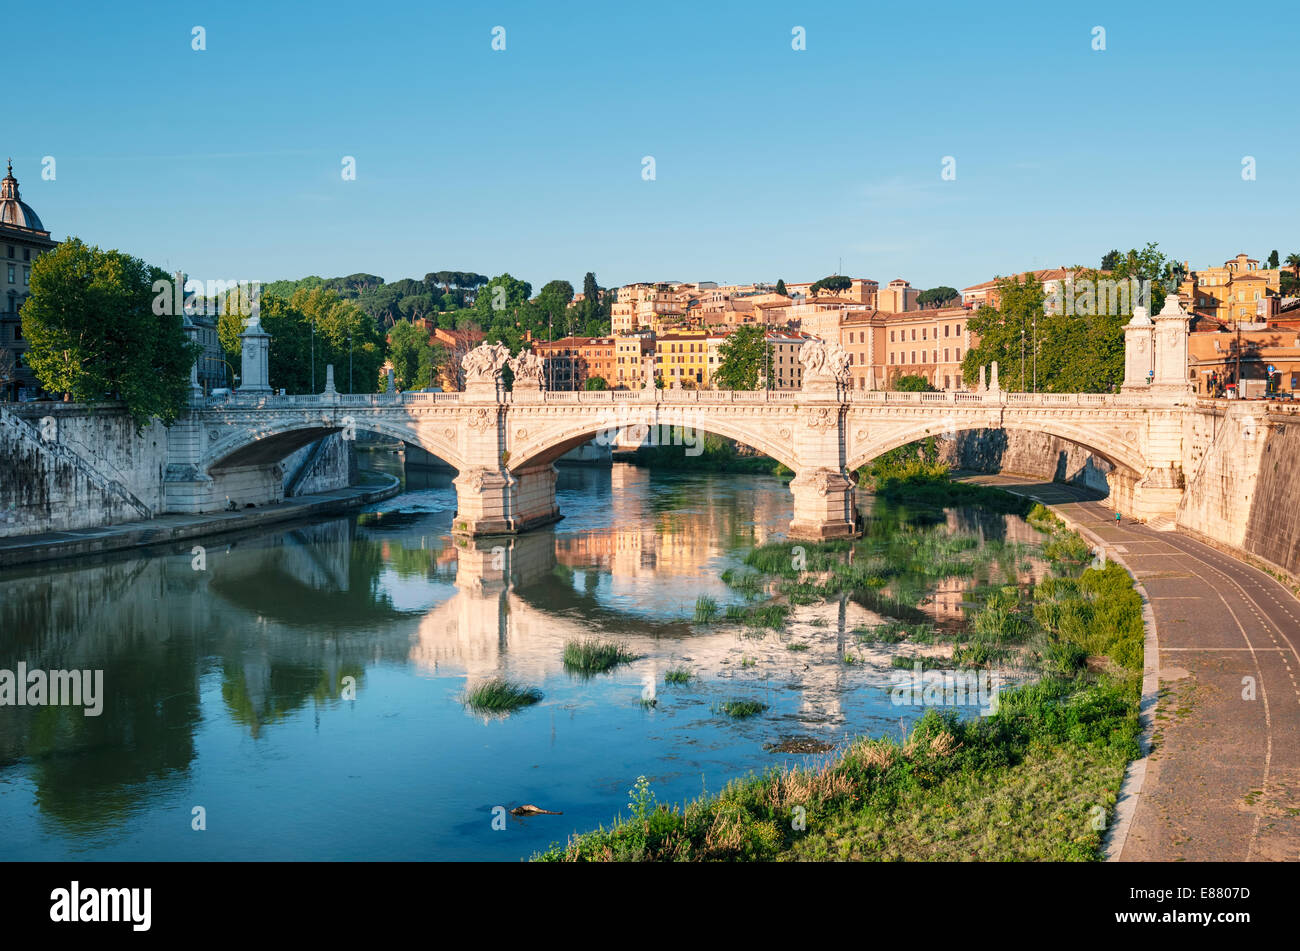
[[629, 351], [1238, 291], [683, 357]]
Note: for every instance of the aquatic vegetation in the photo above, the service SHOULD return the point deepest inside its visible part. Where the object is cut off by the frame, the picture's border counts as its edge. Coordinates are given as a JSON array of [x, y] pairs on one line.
[[740, 709], [500, 696], [594, 655], [678, 675], [706, 609]]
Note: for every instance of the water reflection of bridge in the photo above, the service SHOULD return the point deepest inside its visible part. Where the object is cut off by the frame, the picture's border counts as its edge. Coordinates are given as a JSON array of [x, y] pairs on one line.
[[272, 625]]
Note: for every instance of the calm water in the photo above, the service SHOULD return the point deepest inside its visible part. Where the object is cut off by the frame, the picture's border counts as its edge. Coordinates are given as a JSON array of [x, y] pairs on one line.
[[225, 687]]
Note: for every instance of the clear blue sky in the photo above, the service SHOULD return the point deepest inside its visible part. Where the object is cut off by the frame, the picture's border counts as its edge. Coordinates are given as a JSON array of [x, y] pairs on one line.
[[770, 162]]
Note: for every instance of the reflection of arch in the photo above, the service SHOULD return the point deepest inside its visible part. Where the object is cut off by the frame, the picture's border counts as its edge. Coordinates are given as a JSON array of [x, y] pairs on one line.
[[262, 445], [1118, 452], [530, 449]]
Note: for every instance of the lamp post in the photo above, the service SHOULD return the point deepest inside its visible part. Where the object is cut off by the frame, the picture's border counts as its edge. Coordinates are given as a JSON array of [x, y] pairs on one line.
[[1022, 357], [349, 362], [313, 355], [1035, 353]]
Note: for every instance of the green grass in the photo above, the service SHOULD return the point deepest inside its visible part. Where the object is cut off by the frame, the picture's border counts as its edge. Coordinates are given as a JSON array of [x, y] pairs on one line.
[[740, 709], [706, 609], [594, 655], [678, 675], [500, 696], [796, 647]]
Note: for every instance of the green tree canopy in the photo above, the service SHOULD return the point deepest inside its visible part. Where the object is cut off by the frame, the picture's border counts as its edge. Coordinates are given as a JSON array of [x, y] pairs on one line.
[[780, 287], [416, 363], [833, 282], [595, 383], [743, 356], [94, 334], [937, 296], [912, 383], [1076, 353]]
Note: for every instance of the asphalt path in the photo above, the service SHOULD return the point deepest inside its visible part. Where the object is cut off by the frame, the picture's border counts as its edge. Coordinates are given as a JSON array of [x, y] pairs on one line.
[[1222, 781]]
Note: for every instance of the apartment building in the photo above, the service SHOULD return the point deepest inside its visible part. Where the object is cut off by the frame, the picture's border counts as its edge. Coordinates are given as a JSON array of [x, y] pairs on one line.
[[569, 362], [783, 371], [682, 357], [1240, 290], [630, 351]]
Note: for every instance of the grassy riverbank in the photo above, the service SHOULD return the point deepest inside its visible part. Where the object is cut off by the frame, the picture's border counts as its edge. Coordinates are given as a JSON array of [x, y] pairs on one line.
[[1036, 780]]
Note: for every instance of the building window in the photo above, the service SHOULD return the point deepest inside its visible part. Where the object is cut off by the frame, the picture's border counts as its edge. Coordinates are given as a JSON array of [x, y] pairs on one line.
[[11, 274], [946, 329], [11, 250], [27, 254], [957, 353]]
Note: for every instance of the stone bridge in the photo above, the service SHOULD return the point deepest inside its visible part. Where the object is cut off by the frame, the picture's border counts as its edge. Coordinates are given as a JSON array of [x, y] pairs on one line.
[[503, 441]]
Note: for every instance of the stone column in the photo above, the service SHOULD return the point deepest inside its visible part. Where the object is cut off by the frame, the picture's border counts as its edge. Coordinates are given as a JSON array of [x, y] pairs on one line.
[[1171, 349], [1139, 337], [255, 367]]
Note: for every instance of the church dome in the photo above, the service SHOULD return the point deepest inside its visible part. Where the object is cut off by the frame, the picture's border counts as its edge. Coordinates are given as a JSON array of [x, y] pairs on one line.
[[13, 210]]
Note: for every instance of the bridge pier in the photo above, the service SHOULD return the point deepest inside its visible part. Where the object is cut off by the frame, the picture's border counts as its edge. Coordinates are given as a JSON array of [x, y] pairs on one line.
[[499, 502], [825, 505]]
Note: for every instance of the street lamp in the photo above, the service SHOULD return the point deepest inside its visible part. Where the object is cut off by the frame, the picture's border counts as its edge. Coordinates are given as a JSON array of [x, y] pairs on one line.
[[313, 355], [1035, 353], [349, 362], [1022, 357]]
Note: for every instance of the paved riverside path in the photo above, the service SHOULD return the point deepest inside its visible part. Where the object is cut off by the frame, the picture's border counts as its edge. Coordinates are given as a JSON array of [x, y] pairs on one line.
[[1222, 782]]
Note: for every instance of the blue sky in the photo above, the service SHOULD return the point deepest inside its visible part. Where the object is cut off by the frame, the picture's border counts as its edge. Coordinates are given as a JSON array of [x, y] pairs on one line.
[[769, 162]]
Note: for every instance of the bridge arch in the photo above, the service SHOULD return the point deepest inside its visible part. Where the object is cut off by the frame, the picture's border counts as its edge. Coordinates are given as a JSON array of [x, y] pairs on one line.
[[533, 443], [257, 444], [1116, 449]]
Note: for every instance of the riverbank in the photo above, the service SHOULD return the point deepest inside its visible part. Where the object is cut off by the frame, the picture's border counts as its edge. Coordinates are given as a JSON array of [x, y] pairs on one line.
[[1038, 779], [169, 529]]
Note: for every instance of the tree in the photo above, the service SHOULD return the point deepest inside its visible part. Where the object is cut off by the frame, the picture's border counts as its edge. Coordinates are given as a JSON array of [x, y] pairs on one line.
[[744, 357], [1077, 352], [780, 287], [342, 335], [1109, 260], [417, 364], [595, 383], [833, 282], [912, 383], [1293, 261], [94, 335], [937, 296], [1272, 260]]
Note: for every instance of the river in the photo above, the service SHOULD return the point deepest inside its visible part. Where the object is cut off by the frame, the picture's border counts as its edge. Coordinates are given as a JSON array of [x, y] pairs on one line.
[[296, 693]]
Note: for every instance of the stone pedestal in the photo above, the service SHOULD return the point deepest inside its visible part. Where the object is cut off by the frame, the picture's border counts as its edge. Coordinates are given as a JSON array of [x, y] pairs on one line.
[[824, 505], [1139, 352], [255, 359], [499, 502]]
